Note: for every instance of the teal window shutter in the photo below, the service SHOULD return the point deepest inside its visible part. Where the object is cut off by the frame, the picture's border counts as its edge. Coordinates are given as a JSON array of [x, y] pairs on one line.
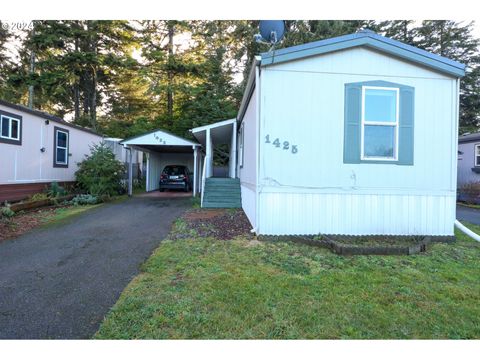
[[406, 128], [352, 131]]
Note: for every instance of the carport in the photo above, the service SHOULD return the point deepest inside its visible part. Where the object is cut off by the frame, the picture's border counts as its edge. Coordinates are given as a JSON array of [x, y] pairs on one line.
[[163, 148]]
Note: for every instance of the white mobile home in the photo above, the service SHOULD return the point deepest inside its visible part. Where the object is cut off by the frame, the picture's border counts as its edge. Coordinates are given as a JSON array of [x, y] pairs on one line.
[[351, 135], [36, 149]]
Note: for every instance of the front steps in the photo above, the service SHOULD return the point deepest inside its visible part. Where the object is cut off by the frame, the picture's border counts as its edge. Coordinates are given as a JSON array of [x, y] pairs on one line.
[[222, 193]]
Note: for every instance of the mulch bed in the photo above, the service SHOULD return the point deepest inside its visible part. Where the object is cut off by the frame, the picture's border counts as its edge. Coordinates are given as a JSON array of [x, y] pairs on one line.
[[24, 222], [223, 224]]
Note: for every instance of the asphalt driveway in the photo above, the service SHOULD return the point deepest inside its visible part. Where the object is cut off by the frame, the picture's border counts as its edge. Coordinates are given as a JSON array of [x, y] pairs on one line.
[[60, 281], [468, 214]]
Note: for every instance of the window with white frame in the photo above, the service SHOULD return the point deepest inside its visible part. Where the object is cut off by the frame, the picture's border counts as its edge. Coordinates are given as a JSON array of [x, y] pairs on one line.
[[61, 148], [379, 132], [9, 128], [477, 155]]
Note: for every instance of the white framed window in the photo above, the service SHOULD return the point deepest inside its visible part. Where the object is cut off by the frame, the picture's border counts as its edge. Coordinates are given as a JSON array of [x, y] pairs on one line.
[[240, 146], [10, 128], [477, 155], [60, 156], [380, 119]]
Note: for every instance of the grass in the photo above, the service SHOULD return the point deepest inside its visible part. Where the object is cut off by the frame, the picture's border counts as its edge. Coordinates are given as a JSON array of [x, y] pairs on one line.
[[473, 206], [203, 288], [64, 214]]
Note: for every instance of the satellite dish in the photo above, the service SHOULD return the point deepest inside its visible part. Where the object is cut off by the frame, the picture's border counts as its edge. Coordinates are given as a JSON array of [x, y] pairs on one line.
[[271, 31]]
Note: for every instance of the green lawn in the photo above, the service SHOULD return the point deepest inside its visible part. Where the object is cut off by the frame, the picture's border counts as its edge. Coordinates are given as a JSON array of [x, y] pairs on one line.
[[211, 289]]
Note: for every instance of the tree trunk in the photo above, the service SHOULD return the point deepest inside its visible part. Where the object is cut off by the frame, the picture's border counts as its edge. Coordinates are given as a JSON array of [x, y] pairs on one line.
[[93, 84], [171, 32], [76, 89], [32, 71]]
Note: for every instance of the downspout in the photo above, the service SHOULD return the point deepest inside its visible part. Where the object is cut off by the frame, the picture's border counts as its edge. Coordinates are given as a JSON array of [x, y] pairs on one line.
[[467, 231]]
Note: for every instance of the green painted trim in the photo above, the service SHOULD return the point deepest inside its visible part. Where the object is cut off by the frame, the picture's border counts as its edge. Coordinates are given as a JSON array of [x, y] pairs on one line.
[[352, 124], [367, 39]]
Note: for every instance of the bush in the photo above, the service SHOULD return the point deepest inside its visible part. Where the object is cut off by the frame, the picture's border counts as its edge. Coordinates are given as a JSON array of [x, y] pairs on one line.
[[56, 190], [100, 174], [5, 211], [84, 199], [38, 197], [470, 192]]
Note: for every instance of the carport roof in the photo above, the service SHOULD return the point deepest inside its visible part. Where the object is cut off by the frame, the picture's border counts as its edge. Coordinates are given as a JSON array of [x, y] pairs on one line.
[[158, 137], [221, 132]]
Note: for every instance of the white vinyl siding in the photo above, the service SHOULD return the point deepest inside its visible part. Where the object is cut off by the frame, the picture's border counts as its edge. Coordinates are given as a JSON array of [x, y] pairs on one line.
[[303, 103]]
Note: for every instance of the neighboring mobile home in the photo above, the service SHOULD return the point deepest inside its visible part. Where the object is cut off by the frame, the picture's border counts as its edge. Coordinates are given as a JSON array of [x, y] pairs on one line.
[[468, 159], [36, 149], [351, 135], [468, 163]]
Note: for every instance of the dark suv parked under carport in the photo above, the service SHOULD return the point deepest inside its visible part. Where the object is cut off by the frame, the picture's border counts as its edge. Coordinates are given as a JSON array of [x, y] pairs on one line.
[[176, 177]]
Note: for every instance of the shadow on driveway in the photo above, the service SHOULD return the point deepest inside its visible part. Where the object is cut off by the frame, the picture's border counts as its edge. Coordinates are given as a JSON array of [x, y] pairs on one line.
[[60, 281]]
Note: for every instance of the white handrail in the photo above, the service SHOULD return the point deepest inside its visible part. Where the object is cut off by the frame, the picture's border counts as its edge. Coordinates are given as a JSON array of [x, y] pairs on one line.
[[204, 175]]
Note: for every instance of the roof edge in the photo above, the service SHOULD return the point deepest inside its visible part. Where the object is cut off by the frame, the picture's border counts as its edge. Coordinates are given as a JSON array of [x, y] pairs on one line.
[[46, 116], [370, 39], [212, 125], [247, 93], [156, 130]]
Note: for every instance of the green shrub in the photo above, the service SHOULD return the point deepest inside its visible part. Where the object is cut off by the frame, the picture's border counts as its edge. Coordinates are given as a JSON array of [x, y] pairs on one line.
[[84, 199], [56, 190], [5, 211], [39, 196], [100, 174]]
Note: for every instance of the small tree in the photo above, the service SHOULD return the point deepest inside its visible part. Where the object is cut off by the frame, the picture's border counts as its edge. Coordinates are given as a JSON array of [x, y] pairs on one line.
[[100, 174]]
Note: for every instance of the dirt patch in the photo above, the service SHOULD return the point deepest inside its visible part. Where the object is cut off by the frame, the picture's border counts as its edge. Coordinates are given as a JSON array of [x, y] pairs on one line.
[[203, 214], [24, 222], [223, 224]]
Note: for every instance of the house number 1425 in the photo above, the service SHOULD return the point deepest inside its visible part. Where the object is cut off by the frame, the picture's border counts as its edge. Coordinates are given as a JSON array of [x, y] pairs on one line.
[[284, 146]]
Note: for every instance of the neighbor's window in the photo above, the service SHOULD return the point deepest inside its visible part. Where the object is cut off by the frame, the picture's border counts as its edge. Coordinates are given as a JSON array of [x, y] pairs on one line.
[[61, 148], [10, 128], [477, 155], [379, 123]]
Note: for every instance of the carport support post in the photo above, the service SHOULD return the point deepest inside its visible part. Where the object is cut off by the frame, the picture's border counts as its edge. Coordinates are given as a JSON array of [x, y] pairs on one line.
[[209, 155], [130, 172], [195, 169]]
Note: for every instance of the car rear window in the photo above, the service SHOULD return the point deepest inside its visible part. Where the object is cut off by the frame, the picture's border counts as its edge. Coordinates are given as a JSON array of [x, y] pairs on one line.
[[174, 170]]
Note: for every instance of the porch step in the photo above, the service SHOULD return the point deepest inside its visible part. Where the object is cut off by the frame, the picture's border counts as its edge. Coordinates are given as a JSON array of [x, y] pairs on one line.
[[222, 193]]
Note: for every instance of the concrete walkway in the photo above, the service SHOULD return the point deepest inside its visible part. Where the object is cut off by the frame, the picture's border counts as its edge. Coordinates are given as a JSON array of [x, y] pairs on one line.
[[60, 281]]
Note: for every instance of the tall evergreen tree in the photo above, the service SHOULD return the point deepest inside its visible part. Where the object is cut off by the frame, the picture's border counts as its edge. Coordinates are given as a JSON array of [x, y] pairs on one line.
[[456, 41]]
